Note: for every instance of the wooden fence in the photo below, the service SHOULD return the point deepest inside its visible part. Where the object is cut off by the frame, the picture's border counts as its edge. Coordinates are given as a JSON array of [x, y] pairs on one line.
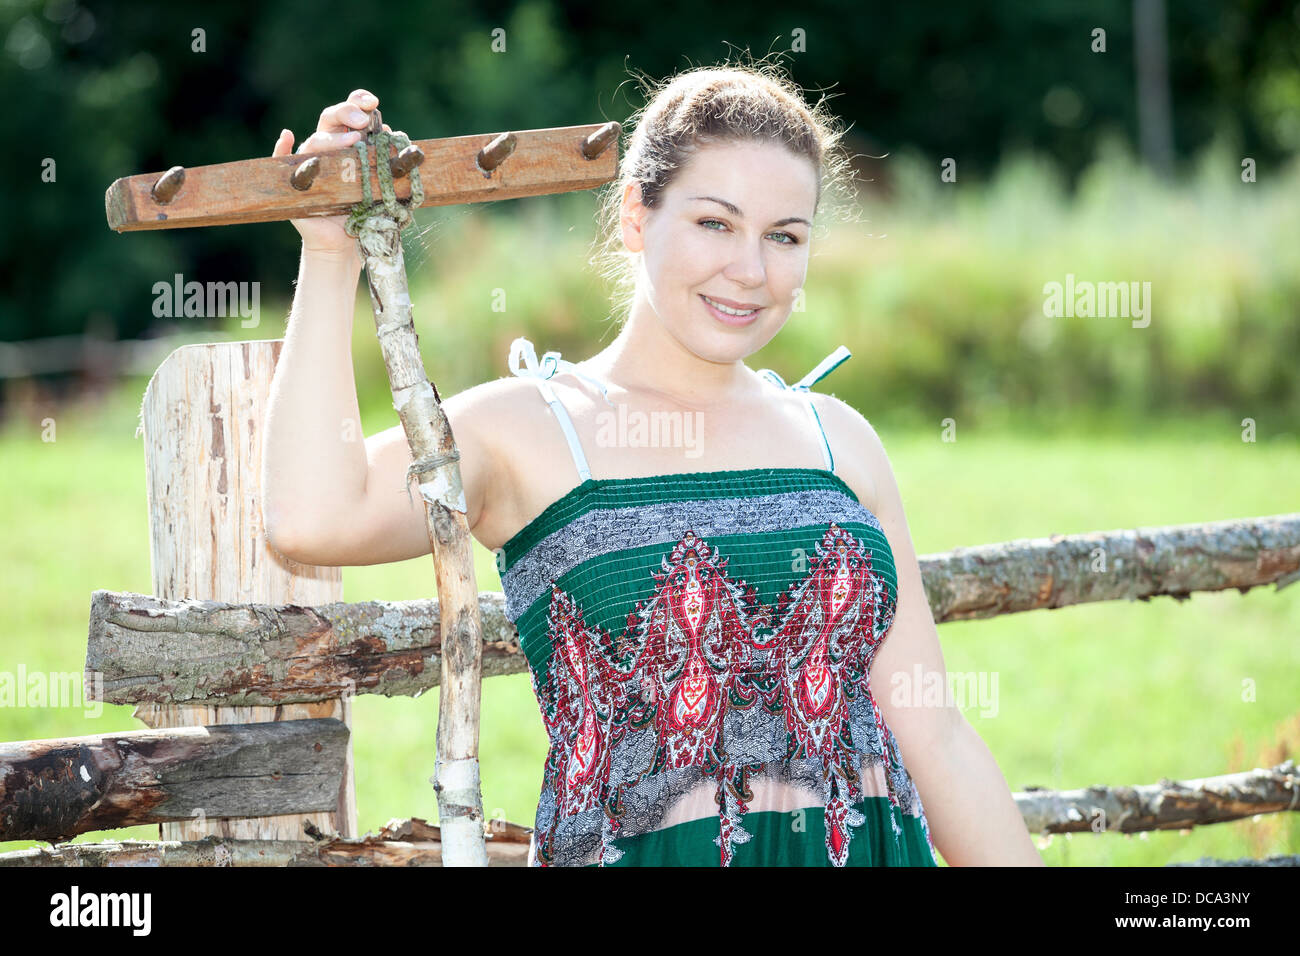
[[244, 665]]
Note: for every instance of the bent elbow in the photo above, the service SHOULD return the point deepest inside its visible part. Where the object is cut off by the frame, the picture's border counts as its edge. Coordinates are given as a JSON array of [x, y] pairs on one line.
[[303, 550], [283, 542], [281, 529], [287, 538]]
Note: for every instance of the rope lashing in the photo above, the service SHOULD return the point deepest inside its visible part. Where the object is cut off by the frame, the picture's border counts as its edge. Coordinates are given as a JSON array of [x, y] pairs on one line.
[[427, 463], [396, 210]]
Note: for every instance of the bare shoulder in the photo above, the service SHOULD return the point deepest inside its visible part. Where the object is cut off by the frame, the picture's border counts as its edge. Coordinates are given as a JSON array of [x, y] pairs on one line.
[[846, 419], [493, 396], [501, 413], [859, 453], [500, 422], [495, 416]]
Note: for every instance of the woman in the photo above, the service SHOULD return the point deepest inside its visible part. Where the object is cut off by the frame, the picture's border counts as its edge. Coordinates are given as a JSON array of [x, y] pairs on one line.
[[705, 626]]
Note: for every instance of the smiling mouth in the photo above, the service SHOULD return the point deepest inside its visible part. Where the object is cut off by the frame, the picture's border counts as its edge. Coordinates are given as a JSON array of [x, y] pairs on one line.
[[728, 314]]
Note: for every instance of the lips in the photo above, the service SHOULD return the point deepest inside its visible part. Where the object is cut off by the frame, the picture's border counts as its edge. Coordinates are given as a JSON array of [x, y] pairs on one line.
[[726, 318], [742, 306]]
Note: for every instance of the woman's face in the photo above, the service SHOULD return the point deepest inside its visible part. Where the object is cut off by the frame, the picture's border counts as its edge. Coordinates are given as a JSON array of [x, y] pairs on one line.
[[749, 249]]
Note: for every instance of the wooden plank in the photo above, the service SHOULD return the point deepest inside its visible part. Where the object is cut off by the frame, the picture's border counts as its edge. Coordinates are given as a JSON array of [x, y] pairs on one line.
[[147, 649], [202, 423], [548, 160], [54, 789]]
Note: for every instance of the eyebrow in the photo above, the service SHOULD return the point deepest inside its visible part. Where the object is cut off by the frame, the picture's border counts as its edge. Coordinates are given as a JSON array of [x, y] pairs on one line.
[[735, 211]]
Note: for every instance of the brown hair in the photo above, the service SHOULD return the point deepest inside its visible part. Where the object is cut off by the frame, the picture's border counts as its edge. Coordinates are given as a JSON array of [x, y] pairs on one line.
[[726, 103]]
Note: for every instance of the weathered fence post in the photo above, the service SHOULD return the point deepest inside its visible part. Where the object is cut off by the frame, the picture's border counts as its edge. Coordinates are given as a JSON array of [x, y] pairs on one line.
[[202, 422]]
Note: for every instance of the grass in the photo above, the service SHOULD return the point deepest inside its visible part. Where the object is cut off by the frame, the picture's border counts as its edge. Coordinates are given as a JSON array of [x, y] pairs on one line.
[[1098, 694]]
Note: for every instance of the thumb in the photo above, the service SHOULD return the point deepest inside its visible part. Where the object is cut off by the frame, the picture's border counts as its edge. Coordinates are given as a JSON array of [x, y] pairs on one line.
[[284, 144]]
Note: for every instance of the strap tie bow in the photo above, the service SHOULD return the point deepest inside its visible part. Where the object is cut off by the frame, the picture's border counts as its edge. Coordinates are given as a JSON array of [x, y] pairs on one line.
[[523, 362], [824, 368]]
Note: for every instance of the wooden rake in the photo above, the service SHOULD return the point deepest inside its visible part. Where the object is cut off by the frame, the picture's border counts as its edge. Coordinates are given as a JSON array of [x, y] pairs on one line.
[[430, 172]]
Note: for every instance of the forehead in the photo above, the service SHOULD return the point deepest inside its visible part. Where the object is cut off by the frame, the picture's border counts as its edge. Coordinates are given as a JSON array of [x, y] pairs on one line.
[[761, 175]]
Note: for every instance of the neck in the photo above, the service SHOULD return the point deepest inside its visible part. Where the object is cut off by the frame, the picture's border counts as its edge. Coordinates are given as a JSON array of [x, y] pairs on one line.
[[645, 358]]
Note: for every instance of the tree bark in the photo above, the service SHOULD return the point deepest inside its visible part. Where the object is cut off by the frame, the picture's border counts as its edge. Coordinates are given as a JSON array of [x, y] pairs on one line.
[[1138, 564], [146, 649], [1167, 805]]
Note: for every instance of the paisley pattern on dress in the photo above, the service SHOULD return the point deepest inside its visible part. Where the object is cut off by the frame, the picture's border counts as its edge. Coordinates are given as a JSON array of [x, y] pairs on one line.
[[706, 685]]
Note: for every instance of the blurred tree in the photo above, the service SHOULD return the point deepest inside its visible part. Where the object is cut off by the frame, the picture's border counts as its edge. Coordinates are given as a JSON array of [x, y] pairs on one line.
[[108, 90]]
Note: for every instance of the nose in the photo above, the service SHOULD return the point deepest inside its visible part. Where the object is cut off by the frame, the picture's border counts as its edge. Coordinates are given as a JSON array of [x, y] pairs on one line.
[[747, 268]]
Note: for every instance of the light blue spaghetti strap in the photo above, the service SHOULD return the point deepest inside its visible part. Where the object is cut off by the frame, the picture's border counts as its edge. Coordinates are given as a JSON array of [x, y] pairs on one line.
[[824, 368], [522, 349]]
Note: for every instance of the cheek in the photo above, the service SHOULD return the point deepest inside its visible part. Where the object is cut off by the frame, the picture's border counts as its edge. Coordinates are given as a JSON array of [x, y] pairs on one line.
[[678, 255], [692, 250], [792, 272], [688, 263]]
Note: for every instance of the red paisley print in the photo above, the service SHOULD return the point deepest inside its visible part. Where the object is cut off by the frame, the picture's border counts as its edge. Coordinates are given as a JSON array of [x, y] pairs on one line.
[[704, 643]]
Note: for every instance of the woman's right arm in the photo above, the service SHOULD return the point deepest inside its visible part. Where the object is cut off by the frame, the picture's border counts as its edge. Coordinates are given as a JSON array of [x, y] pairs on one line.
[[330, 496], [313, 453]]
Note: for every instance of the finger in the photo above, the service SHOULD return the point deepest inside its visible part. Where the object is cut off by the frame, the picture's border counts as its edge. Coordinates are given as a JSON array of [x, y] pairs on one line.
[[283, 144], [363, 98], [319, 141], [342, 117]]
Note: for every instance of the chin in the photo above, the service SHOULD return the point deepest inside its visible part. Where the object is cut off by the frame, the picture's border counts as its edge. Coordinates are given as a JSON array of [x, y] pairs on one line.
[[723, 346]]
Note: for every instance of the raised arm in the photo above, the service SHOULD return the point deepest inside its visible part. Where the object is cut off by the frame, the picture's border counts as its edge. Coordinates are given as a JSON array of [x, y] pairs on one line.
[[331, 496]]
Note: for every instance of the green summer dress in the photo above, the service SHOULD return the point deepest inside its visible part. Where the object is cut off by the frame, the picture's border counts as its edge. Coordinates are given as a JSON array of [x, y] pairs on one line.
[[699, 645]]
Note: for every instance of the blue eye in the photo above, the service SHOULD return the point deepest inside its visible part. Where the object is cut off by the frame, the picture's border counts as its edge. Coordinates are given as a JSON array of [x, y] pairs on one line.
[[794, 240]]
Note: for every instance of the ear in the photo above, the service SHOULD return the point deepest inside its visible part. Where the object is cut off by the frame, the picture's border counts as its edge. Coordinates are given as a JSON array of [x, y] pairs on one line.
[[633, 217]]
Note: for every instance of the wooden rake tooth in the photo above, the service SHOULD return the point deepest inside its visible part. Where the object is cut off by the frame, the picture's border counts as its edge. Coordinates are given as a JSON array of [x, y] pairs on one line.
[[596, 143], [406, 160], [168, 185], [305, 174], [495, 153]]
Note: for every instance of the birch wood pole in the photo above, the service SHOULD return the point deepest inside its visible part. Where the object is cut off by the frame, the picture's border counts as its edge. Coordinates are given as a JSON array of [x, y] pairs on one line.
[[435, 466]]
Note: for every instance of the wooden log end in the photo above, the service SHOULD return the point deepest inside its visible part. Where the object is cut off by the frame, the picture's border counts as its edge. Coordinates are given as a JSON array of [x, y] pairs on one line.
[[304, 174], [406, 160], [116, 200]]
